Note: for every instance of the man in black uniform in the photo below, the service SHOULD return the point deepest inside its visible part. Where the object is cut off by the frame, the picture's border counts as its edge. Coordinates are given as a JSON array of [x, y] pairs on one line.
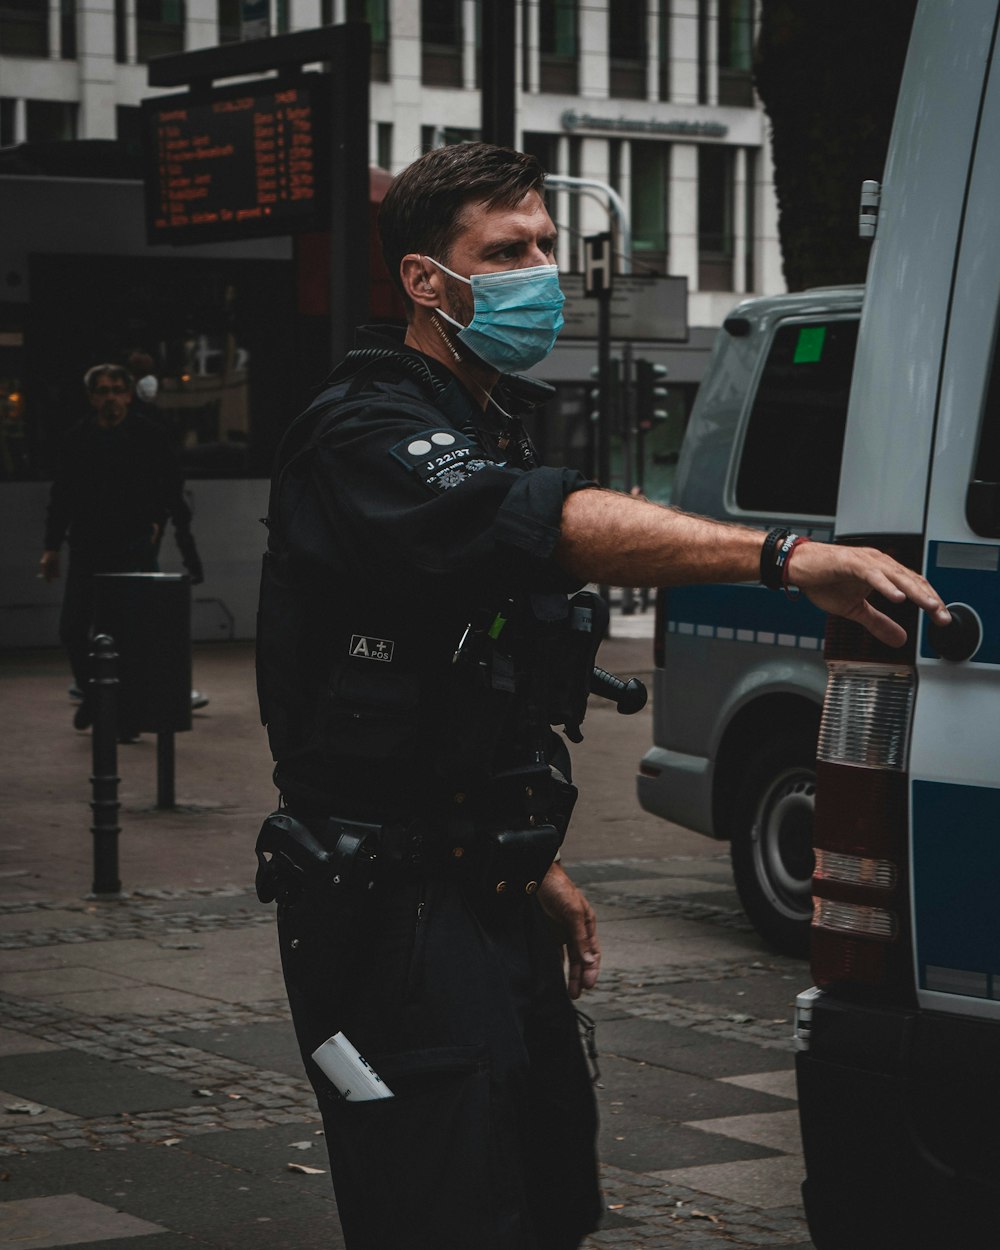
[[412, 655]]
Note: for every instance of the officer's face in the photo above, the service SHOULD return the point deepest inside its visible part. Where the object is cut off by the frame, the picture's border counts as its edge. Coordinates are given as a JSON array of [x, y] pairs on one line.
[[491, 239]]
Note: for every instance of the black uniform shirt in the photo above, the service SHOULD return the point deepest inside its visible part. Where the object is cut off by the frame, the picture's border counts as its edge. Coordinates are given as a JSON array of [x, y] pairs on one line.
[[412, 519]]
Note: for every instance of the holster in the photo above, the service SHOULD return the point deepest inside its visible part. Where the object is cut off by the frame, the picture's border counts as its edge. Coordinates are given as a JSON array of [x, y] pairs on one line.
[[325, 858]]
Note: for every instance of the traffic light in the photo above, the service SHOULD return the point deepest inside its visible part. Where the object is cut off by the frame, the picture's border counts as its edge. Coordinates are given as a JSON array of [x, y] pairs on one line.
[[613, 400], [650, 393]]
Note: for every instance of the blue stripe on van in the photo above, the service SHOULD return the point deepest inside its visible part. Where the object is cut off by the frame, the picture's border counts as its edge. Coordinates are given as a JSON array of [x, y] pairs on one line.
[[956, 867], [745, 613], [968, 573]]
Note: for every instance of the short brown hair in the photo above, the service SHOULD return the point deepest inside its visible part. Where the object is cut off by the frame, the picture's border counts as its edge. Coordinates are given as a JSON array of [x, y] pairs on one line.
[[423, 205]]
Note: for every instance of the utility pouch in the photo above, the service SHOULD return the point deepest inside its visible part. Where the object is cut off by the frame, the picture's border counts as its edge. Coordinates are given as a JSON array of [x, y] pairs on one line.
[[512, 862], [534, 794], [327, 858]]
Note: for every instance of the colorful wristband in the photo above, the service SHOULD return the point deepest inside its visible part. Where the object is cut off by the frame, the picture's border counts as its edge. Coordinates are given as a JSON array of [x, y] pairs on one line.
[[778, 546]]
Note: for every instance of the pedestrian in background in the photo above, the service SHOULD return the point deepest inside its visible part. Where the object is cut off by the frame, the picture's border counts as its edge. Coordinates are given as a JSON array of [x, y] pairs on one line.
[[117, 477], [414, 651]]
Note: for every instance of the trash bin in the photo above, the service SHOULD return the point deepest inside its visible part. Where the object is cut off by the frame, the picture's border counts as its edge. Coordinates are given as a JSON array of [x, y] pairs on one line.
[[149, 617]]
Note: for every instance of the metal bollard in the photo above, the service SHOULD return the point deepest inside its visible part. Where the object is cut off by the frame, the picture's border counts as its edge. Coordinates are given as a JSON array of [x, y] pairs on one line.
[[104, 779], [165, 771]]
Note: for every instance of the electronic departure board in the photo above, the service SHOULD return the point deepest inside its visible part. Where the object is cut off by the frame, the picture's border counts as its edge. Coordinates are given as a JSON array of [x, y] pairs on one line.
[[237, 161]]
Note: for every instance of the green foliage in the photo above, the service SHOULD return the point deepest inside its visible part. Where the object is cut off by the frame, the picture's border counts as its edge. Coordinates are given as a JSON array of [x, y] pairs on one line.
[[828, 74]]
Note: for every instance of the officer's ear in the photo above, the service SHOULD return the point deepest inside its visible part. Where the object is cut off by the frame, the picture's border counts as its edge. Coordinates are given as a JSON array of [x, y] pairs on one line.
[[419, 280]]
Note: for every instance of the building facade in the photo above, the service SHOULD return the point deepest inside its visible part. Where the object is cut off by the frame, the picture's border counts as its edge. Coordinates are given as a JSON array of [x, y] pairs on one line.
[[652, 99]]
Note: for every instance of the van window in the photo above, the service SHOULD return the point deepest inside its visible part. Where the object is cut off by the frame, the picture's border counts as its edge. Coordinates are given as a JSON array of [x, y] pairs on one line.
[[791, 453], [983, 500]]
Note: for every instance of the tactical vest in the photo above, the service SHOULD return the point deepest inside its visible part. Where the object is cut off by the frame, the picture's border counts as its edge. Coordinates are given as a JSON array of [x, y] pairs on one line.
[[502, 672]]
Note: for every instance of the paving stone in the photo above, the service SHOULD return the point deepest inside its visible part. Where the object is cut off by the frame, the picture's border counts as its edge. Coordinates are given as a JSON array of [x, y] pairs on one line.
[[66, 1220], [87, 1085], [646, 1143], [272, 1045], [758, 995], [687, 1050], [679, 1096]]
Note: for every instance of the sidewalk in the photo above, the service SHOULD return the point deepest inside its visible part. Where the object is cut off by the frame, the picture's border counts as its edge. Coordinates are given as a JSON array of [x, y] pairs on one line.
[[151, 1093]]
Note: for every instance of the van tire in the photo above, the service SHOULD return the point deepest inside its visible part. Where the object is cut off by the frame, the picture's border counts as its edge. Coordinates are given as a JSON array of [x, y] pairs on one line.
[[771, 840]]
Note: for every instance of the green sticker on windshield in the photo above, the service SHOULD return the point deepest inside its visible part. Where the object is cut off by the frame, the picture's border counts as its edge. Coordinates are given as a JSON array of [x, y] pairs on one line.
[[809, 348]]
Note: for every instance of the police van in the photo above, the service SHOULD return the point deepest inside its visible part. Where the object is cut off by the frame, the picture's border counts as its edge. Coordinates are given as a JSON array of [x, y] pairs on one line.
[[739, 677], [898, 1042]]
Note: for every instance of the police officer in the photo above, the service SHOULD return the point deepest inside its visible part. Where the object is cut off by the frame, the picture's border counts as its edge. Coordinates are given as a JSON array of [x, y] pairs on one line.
[[413, 612]]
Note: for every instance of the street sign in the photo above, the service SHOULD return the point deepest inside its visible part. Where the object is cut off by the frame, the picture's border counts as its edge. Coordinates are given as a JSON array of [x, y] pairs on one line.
[[598, 261], [643, 307]]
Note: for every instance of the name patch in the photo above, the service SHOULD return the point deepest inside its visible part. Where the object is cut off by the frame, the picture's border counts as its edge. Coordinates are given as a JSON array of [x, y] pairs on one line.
[[365, 648], [442, 459]]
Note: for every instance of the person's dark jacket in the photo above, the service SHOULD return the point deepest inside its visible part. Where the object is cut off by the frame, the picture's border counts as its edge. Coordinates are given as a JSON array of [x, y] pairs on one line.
[[111, 486]]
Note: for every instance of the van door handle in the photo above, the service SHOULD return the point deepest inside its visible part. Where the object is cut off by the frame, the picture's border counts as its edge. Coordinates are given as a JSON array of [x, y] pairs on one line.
[[961, 637]]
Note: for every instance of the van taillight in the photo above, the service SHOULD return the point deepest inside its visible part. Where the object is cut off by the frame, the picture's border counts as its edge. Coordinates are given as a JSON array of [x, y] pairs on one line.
[[861, 918]]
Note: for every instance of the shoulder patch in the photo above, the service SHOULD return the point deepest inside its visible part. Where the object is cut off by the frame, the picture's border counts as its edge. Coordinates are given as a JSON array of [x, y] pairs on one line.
[[442, 458]]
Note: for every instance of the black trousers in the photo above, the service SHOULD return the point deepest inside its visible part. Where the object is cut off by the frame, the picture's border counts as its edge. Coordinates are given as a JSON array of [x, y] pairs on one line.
[[461, 1007]]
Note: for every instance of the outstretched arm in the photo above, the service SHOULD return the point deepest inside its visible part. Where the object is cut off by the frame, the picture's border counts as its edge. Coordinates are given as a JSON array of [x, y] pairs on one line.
[[623, 541]]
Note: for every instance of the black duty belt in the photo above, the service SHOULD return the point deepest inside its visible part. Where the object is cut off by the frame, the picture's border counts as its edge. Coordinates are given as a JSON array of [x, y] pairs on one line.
[[299, 852]]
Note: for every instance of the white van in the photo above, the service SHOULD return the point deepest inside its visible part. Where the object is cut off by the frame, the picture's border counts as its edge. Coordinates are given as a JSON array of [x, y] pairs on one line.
[[739, 677], [899, 1066], [898, 1060]]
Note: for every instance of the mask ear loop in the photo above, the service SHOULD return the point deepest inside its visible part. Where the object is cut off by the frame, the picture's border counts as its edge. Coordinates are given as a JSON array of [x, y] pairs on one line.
[[451, 320]]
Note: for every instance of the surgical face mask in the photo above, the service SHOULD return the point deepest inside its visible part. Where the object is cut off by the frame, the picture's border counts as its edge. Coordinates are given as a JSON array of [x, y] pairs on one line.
[[147, 387], [517, 315]]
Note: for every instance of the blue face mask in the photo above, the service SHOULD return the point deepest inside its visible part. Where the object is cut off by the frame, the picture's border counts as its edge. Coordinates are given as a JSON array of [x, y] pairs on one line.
[[517, 315]]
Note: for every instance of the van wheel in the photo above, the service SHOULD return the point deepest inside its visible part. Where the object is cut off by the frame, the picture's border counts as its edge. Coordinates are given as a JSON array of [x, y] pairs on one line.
[[771, 845]]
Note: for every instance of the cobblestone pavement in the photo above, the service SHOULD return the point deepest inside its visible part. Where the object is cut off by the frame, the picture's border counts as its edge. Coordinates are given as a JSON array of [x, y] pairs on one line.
[[151, 1093], [228, 1094]]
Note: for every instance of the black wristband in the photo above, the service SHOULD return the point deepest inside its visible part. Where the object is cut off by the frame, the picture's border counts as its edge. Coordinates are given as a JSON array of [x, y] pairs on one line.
[[773, 554]]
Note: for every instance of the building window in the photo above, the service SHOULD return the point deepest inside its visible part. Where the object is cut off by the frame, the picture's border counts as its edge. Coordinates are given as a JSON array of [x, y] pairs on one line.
[[376, 14], [703, 51], [50, 121], [545, 149], [575, 216], [281, 17], [558, 46], [8, 107], [24, 27], [750, 222], [442, 136], [228, 15], [650, 186], [67, 30], [120, 40], [664, 86], [715, 218], [383, 145], [627, 49], [128, 128], [159, 28], [441, 43], [736, 52]]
